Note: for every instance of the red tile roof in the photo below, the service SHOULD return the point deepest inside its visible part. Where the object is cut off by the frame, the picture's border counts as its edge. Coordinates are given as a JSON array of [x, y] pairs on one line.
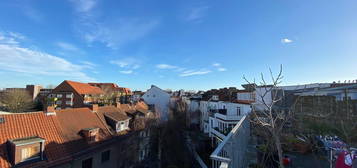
[[113, 85], [27, 125], [73, 120], [112, 112], [61, 131], [84, 88]]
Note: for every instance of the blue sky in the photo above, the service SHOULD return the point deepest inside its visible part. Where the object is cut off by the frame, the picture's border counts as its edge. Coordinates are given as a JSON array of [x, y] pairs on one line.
[[192, 44]]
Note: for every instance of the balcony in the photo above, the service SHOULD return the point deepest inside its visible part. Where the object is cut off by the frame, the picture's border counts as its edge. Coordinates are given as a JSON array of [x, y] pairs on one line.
[[228, 117], [230, 153], [215, 131], [211, 112]]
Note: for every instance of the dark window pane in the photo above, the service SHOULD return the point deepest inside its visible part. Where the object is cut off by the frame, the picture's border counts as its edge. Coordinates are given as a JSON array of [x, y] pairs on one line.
[[105, 156], [87, 163]]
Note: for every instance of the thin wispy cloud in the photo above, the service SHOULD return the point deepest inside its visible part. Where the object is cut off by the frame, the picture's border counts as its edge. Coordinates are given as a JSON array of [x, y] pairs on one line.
[[216, 64], [222, 69], [88, 64], [113, 33], [32, 13], [126, 72], [130, 63], [197, 13], [84, 5], [165, 66], [67, 46], [286, 40], [7, 40], [127, 65], [15, 58], [193, 72], [219, 67]]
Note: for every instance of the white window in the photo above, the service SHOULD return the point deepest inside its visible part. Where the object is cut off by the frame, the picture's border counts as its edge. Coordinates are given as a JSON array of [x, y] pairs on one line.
[[69, 95], [59, 95], [69, 103], [30, 153], [59, 102]]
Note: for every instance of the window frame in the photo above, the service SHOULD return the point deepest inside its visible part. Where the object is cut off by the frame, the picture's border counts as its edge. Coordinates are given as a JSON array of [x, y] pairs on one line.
[[86, 160], [105, 156]]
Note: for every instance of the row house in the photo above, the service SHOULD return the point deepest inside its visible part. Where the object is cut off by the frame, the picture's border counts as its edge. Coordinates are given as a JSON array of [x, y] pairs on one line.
[[70, 94], [86, 137]]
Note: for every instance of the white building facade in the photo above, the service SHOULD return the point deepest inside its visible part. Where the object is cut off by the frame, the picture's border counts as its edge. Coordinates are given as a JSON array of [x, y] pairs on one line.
[[160, 99]]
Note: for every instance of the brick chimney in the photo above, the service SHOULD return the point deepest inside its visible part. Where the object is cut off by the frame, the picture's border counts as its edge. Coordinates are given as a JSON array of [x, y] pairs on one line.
[[90, 134], [50, 110], [117, 105], [94, 108]]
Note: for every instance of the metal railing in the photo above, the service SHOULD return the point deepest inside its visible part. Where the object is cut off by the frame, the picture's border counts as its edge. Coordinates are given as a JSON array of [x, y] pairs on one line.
[[230, 153]]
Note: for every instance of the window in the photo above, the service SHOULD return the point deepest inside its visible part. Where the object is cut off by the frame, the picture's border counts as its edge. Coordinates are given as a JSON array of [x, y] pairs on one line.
[[27, 148], [30, 152], [69, 103], [59, 95], [105, 156], [238, 111], [59, 102], [153, 95], [69, 95], [87, 163]]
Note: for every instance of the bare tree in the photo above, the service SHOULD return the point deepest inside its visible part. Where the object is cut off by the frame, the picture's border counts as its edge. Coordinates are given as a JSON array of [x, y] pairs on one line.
[[17, 101], [269, 117]]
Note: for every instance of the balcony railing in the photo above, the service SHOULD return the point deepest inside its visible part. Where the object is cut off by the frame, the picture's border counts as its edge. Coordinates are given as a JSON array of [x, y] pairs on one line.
[[228, 117], [215, 131], [230, 153]]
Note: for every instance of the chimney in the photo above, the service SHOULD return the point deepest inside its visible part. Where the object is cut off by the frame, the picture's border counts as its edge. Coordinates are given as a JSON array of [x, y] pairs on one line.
[[50, 110], [90, 134], [117, 105], [94, 108]]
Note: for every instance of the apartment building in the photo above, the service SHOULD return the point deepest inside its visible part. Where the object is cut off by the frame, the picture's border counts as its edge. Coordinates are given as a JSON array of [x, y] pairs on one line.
[[70, 94], [86, 137]]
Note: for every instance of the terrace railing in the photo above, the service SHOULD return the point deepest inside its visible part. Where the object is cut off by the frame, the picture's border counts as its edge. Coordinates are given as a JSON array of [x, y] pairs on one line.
[[230, 153]]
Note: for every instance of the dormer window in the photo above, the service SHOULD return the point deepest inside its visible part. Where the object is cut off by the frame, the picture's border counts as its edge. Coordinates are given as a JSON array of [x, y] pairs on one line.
[[118, 122], [26, 149]]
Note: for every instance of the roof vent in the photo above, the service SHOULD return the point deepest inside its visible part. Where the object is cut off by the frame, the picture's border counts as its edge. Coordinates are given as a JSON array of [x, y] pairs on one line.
[[2, 120]]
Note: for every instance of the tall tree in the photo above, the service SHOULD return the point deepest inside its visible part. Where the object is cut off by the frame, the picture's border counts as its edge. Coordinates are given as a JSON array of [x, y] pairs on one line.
[[17, 101], [270, 118]]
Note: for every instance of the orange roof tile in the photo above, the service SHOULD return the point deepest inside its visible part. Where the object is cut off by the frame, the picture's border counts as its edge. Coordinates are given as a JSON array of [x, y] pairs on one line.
[[112, 112], [73, 120], [84, 88], [27, 125]]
